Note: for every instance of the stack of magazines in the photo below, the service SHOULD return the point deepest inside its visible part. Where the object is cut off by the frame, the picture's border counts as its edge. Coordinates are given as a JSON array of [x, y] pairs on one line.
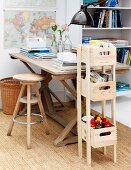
[[33, 50], [67, 61], [38, 53]]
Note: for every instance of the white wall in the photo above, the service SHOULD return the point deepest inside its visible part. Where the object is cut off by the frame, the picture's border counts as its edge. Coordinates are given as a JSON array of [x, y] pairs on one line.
[[9, 67], [75, 31]]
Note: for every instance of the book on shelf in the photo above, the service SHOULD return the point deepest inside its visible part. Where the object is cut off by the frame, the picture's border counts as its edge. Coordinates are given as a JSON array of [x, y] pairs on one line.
[[110, 18], [99, 22], [119, 19], [89, 1], [111, 3], [107, 3], [96, 17], [124, 56], [107, 18], [116, 42], [102, 18]]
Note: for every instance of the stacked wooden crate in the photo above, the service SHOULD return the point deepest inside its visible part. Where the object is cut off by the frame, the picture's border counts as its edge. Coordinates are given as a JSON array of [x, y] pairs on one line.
[[94, 56]]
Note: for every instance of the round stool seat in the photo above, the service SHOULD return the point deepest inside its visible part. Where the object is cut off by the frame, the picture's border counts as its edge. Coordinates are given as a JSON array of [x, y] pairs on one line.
[[28, 77]]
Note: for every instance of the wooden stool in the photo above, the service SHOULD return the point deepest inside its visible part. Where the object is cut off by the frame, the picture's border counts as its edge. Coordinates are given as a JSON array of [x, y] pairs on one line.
[[28, 80]]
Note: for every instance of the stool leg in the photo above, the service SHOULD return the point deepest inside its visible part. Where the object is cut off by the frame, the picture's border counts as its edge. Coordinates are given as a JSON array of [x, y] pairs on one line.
[[15, 110], [41, 106], [28, 117]]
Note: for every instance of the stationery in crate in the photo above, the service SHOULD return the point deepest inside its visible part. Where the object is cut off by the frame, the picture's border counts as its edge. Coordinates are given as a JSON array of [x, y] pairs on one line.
[[100, 77], [103, 132], [97, 122]]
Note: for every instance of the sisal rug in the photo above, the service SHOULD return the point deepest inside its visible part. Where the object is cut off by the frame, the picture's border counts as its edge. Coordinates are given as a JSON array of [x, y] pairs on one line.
[[45, 156]]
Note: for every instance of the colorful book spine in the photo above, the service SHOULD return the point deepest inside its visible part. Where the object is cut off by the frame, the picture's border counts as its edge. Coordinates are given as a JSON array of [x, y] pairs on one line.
[[102, 18], [110, 19], [124, 56], [99, 23], [111, 3], [107, 13], [115, 18]]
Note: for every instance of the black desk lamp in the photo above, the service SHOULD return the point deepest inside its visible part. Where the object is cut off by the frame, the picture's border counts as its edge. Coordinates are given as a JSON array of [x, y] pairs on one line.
[[83, 17]]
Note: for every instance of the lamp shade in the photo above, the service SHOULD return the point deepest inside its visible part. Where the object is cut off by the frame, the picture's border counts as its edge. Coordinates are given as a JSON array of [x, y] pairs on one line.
[[82, 17]]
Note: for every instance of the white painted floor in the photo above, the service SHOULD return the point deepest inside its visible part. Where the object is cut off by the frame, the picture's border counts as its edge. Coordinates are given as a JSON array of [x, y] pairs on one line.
[[123, 109]]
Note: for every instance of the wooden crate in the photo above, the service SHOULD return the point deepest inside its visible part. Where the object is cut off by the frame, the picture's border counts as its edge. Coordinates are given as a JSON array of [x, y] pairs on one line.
[[99, 56], [101, 137], [100, 94], [96, 56]]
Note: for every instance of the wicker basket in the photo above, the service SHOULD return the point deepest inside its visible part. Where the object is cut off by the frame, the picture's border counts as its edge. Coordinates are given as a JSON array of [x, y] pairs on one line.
[[10, 90]]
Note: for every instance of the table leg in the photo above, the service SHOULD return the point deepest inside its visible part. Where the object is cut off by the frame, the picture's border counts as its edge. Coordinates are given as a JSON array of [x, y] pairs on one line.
[[49, 106], [54, 95], [60, 140]]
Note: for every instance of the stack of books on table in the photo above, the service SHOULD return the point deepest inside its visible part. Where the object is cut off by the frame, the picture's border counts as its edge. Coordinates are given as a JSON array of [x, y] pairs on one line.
[[38, 53], [66, 61], [34, 50], [65, 65]]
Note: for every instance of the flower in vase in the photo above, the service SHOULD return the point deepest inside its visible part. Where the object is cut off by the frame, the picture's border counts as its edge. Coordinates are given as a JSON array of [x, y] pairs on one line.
[[62, 29], [65, 27], [53, 26]]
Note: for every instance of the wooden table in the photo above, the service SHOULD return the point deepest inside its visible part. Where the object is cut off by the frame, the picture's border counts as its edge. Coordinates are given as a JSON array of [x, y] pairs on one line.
[[50, 71]]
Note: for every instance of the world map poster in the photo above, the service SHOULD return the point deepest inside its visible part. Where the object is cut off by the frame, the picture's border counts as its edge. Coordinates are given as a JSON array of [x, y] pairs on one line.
[[18, 25], [30, 3]]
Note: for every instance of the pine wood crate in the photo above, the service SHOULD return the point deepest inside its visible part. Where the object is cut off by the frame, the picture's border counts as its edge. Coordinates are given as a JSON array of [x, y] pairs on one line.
[[99, 56], [101, 137], [100, 94], [96, 91]]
